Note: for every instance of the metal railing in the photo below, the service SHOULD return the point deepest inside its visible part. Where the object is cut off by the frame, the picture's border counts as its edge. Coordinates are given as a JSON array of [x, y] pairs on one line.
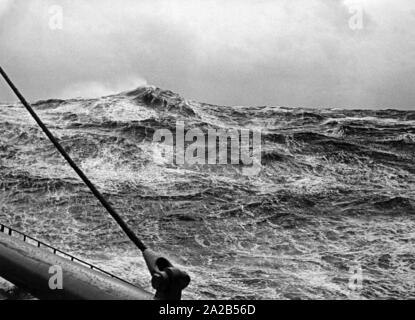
[[28, 239]]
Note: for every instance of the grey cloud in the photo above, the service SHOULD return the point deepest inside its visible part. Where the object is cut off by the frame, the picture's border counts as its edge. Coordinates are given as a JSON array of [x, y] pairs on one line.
[[294, 53]]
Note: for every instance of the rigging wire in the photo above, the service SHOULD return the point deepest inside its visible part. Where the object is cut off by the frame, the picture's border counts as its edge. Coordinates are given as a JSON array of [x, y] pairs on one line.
[[131, 235]]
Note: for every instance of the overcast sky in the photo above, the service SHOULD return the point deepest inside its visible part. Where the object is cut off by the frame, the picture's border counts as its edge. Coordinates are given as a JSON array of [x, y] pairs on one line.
[[232, 52]]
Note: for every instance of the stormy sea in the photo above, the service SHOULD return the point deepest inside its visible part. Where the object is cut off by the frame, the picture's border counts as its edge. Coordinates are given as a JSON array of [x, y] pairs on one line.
[[330, 215]]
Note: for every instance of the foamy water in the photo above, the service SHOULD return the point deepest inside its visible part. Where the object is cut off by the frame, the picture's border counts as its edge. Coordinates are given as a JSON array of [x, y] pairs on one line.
[[335, 194]]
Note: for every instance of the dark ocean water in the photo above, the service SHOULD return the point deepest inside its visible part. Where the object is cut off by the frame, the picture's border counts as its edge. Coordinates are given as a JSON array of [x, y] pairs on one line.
[[336, 194]]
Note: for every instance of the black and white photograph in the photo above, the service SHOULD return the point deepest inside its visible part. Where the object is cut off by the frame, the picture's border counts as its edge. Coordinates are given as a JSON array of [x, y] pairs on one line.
[[206, 150]]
